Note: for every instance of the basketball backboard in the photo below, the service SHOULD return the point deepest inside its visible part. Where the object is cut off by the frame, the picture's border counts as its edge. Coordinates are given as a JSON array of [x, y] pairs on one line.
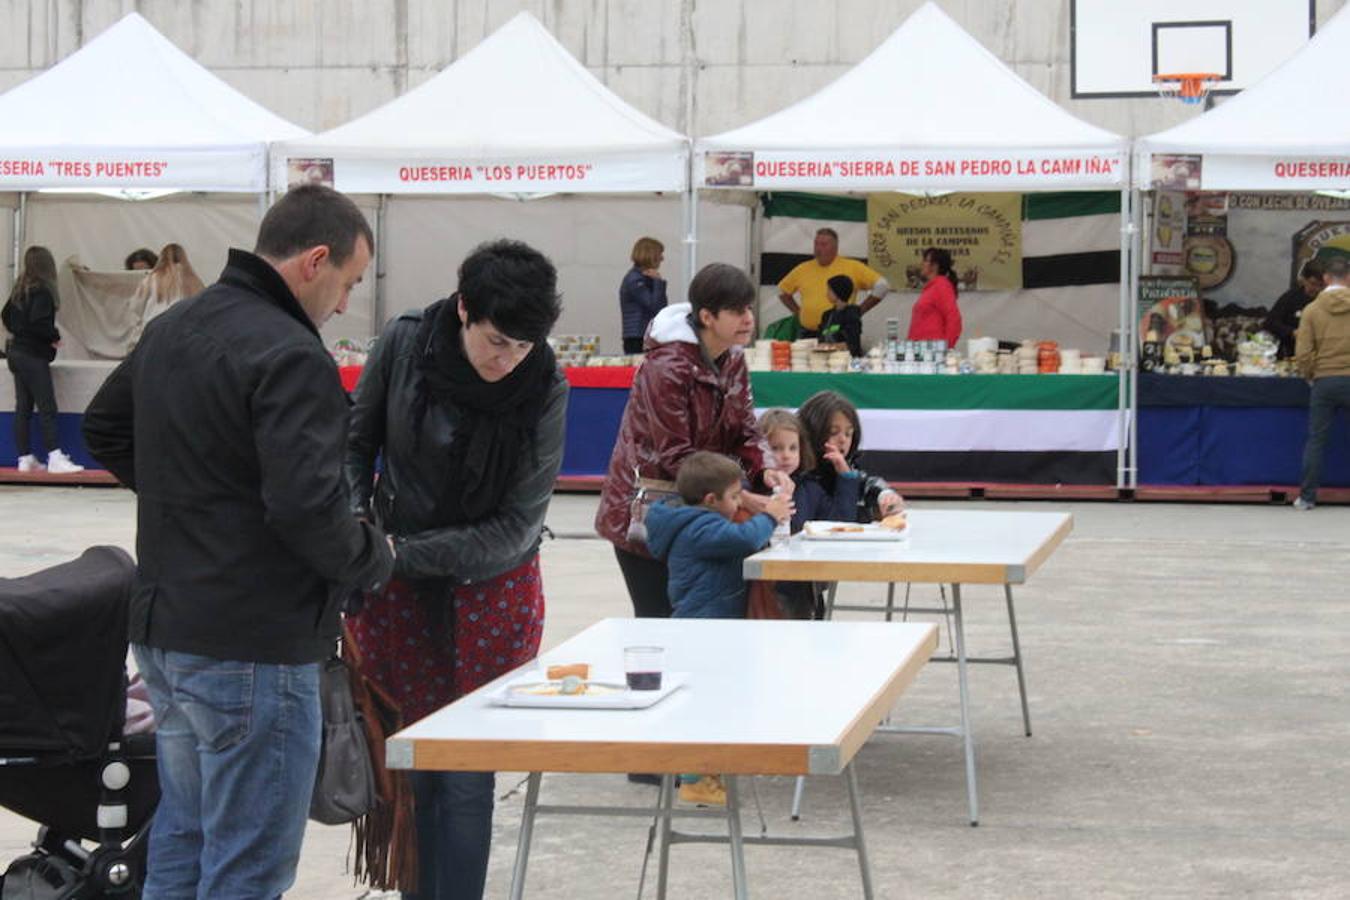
[[1117, 46]]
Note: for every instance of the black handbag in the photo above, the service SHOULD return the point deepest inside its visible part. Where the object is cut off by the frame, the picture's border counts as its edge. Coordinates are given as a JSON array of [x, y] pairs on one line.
[[344, 787]]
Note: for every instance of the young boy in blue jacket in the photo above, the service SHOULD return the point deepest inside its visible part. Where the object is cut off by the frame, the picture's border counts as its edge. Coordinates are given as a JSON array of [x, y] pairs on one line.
[[701, 545], [703, 549]]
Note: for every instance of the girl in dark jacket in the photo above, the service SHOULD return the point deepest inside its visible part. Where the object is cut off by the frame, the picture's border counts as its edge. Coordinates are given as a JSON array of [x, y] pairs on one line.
[[466, 406], [643, 292], [837, 486], [30, 317]]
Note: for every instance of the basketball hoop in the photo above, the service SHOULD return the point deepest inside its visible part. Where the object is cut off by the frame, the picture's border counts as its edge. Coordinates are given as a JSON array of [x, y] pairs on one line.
[[1190, 88]]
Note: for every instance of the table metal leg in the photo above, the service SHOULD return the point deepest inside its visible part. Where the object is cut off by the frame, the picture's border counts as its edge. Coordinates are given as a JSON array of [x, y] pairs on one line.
[[890, 600], [855, 806], [666, 801], [1017, 660], [797, 798], [738, 879], [526, 833], [829, 599], [967, 737]]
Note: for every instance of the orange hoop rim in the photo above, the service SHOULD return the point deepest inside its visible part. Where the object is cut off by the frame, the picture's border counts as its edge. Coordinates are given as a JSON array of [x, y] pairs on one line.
[[1189, 87]]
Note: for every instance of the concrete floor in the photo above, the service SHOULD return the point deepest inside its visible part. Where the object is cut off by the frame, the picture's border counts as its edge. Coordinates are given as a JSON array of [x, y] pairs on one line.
[[1187, 668]]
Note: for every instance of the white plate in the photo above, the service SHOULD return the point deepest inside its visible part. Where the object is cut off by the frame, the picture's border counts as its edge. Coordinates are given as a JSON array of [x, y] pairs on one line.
[[620, 697], [872, 531]]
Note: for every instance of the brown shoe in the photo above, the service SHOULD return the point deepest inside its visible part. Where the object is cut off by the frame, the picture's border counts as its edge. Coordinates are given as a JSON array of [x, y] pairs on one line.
[[707, 791]]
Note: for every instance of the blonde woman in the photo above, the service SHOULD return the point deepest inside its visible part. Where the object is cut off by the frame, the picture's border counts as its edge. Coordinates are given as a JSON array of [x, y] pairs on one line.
[[30, 317], [172, 279]]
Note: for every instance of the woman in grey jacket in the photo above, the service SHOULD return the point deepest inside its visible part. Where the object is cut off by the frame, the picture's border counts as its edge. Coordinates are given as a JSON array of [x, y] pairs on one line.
[[465, 404]]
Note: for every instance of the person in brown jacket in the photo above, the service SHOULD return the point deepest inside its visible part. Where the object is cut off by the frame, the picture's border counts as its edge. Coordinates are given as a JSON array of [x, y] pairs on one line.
[[1322, 354], [691, 393]]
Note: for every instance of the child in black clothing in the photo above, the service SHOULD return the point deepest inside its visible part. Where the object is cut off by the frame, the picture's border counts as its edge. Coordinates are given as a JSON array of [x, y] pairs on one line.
[[842, 322]]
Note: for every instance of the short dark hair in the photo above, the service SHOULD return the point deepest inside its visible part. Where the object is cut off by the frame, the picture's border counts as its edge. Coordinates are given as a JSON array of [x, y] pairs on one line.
[[144, 254], [513, 286], [815, 415], [1311, 269], [312, 215], [705, 473], [830, 231], [1337, 267], [719, 286]]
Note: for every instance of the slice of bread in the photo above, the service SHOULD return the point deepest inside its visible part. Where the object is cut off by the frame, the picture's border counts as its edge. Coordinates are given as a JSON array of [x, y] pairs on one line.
[[581, 670]]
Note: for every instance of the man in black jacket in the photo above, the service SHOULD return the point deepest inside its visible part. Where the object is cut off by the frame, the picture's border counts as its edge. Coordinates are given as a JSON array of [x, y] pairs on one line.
[[229, 422]]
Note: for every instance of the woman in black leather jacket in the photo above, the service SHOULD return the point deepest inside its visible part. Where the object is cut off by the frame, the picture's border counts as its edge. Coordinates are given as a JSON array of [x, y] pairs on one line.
[[465, 404]]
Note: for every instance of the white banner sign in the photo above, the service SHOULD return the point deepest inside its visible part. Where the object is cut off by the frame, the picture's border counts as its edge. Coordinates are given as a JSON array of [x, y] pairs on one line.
[[509, 175], [1276, 173], [971, 170], [210, 170]]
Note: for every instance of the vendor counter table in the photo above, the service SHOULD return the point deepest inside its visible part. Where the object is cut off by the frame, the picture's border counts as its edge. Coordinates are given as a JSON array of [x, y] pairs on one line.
[[1199, 430], [953, 547], [1022, 429], [761, 698]]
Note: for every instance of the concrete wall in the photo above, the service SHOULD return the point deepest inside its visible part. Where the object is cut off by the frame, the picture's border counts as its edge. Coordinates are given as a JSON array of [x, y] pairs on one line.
[[322, 62]]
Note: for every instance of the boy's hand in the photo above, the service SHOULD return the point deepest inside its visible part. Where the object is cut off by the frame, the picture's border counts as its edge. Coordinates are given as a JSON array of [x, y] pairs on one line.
[[780, 507], [836, 459]]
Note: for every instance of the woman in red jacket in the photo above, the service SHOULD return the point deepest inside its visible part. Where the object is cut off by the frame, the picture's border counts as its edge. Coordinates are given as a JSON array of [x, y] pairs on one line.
[[691, 393], [936, 316]]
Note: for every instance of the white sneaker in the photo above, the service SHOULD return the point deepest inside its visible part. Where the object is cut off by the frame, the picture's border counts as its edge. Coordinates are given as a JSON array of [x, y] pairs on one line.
[[59, 464], [29, 463], [1303, 505]]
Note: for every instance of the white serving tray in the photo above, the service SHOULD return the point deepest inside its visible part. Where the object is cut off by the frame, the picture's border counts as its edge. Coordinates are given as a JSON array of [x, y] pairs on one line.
[[872, 531], [620, 698]]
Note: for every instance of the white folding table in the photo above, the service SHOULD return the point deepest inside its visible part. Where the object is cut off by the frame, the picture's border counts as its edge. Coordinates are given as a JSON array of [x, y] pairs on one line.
[[952, 547], [762, 698]]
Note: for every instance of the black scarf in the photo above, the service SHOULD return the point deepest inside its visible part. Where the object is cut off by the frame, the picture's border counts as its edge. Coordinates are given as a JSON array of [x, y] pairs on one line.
[[497, 419]]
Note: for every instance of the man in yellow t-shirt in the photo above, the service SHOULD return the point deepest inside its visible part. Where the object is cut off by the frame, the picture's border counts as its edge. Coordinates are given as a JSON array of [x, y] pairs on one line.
[[808, 280]]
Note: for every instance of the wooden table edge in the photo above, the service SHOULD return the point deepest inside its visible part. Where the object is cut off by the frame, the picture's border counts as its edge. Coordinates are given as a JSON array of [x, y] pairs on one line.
[[866, 722], [601, 757]]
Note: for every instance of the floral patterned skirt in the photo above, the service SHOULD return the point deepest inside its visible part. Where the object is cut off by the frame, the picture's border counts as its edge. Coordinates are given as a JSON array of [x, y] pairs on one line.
[[426, 654]]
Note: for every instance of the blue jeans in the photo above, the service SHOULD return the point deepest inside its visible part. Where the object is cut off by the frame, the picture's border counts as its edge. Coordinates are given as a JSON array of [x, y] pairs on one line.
[[238, 746], [454, 833], [1328, 395]]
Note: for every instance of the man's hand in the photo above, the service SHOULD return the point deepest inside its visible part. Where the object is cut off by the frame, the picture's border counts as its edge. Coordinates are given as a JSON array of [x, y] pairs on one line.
[[780, 507], [790, 302]]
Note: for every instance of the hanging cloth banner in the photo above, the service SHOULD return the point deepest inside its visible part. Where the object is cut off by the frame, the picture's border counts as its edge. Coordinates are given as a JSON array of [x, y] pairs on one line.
[[983, 233]]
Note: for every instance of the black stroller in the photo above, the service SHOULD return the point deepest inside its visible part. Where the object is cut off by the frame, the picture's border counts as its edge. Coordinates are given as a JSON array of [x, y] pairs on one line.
[[63, 759]]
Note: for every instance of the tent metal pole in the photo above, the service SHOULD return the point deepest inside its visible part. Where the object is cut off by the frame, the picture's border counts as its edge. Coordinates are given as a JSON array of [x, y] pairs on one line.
[[1136, 244], [19, 226], [1122, 377], [378, 313]]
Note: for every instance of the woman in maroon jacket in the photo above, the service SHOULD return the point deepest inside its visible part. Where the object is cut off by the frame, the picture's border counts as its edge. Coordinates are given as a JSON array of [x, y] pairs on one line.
[[691, 393], [936, 317]]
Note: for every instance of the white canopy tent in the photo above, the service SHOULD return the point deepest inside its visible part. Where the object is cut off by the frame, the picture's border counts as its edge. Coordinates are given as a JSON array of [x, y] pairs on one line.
[[130, 110], [517, 116], [87, 125], [931, 109], [1284, 133]]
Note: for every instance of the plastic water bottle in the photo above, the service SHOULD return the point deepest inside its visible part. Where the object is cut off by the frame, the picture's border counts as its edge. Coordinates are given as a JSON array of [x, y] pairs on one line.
[[783, 530]]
